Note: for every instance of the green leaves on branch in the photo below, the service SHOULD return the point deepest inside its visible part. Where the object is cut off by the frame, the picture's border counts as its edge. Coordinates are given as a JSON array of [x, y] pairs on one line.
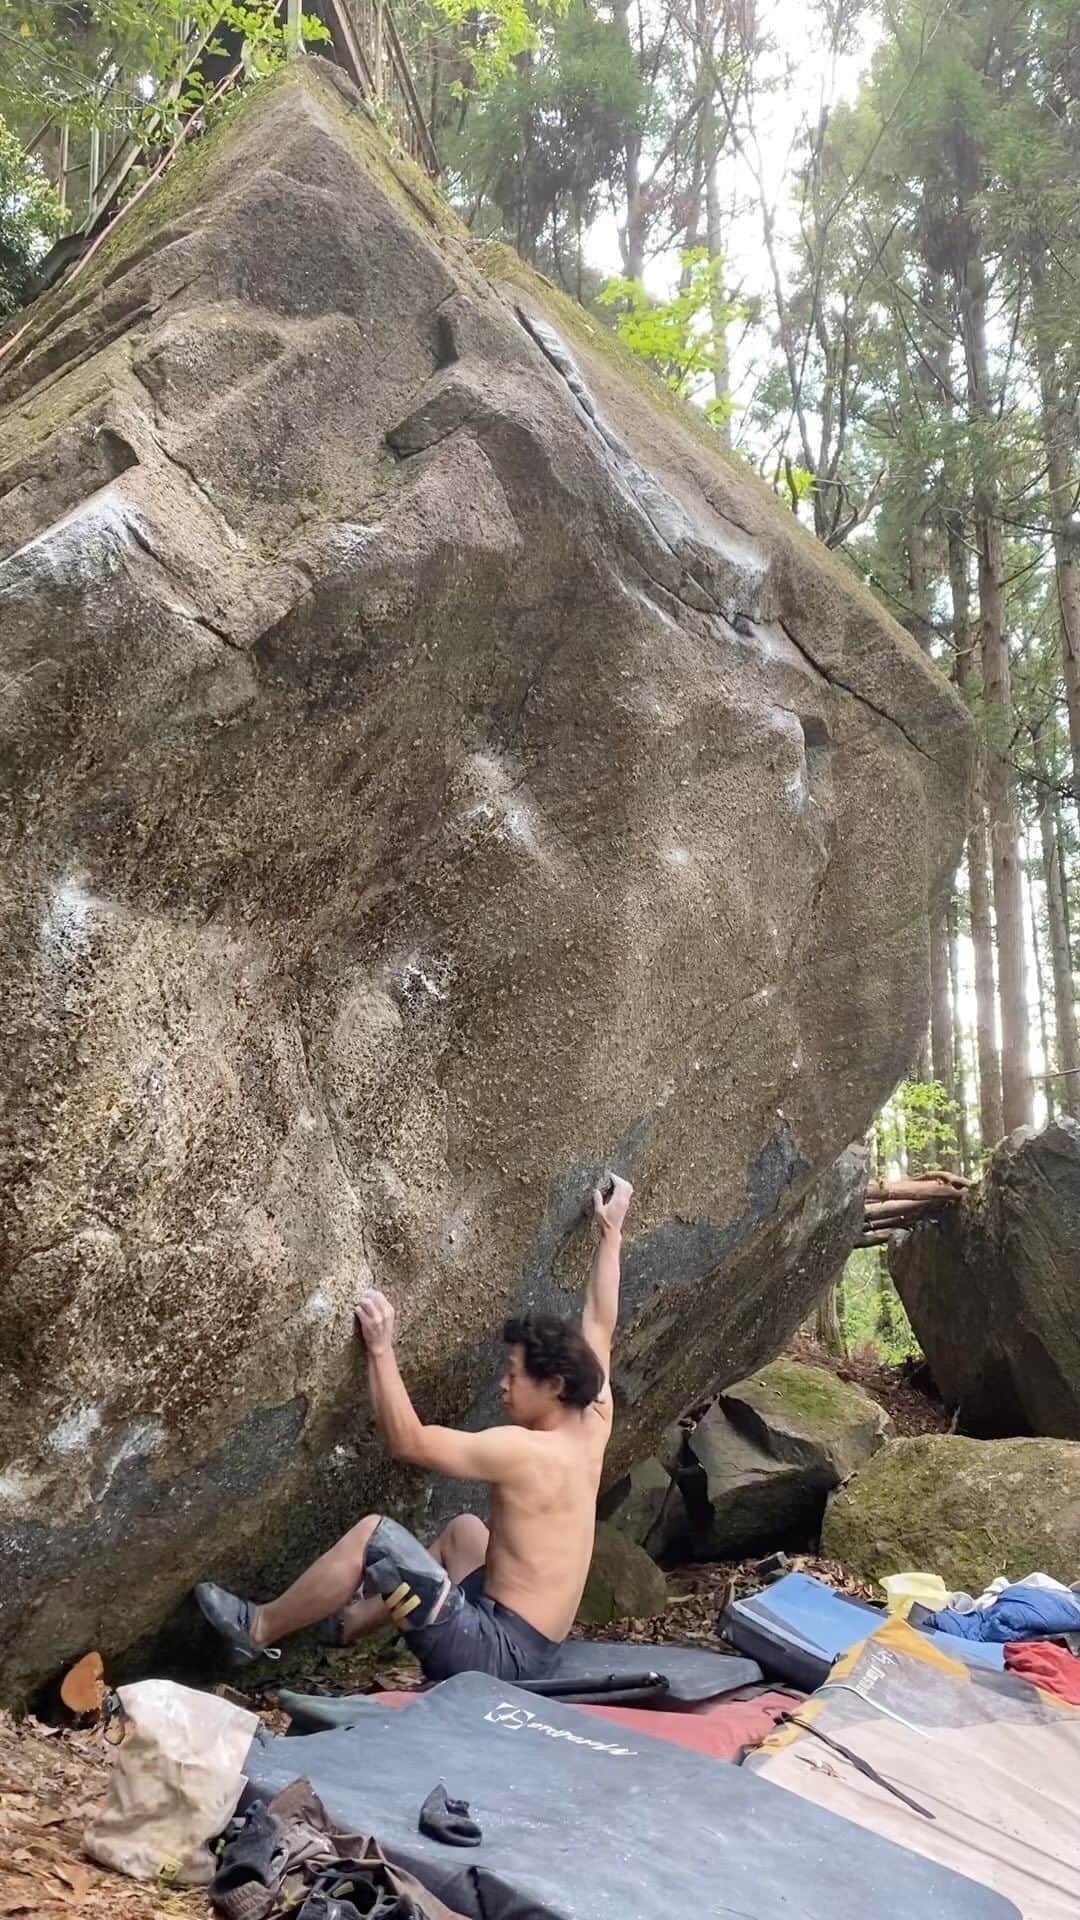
[[493, 37], [679, 338], [125, 55], [30, 216], [919, 1123]]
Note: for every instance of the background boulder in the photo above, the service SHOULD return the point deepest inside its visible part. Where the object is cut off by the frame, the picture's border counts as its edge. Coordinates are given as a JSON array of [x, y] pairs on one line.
[[431, 773], [967, 1509], [623, 1583], [646, 1503], [761, 1462], [992, 1289]]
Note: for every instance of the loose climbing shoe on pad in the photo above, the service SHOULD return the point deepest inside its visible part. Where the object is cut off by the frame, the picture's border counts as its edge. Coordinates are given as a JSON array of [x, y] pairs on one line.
[[232, 1619], [253, 1862]]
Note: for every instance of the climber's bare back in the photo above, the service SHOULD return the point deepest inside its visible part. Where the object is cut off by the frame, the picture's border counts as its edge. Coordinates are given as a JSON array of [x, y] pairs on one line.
[[543, 1520]]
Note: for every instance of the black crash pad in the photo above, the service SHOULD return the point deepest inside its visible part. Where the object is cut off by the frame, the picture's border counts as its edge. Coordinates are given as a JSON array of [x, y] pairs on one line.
[[586, 1670], [580, 1823]]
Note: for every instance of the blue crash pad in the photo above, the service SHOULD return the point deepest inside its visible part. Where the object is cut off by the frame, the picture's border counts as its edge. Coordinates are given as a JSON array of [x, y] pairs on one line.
[[584, 1821], [798, 1627]]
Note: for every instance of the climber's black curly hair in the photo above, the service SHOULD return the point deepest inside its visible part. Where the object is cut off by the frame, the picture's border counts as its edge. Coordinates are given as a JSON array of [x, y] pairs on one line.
[[552, 1349]]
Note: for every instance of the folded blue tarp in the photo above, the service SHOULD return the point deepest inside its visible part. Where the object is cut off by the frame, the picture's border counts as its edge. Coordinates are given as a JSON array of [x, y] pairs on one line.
[[797, 1629], [1019, 1613]]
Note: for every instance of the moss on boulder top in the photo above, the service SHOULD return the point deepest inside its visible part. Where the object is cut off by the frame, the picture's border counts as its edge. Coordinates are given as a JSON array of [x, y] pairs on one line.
[[967, 1509], [805, 1415], [763, 1459]]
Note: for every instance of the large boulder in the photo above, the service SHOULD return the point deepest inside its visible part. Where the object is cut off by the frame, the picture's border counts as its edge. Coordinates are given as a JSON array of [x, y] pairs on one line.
[[623, 1583], [967, 1509], [763, 1460], [432, 772], [991, 1289]]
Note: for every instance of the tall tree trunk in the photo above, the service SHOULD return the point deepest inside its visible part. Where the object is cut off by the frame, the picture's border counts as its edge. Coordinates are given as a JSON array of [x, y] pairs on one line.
[[715, 241], [1063, 877], [1059, 426], [827, 1325], [1016, 1093], [942, 1063], [991, 1125], [919, 582], [705, 78], [959, 1083], [632, 234], [1067, 1088], [1040, 994]]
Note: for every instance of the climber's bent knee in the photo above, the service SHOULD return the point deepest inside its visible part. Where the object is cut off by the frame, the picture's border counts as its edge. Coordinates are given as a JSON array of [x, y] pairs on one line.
[[414, 1588]]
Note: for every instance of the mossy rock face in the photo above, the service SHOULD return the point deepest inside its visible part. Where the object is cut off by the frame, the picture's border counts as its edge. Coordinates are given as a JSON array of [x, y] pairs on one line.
[[966, 1509], [805, 1416], [434, 772], [623, 1583], [763, 1459]]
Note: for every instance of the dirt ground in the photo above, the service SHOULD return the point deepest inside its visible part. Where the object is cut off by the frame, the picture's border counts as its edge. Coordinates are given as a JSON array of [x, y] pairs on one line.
[[49, 1782], [51, 1778]]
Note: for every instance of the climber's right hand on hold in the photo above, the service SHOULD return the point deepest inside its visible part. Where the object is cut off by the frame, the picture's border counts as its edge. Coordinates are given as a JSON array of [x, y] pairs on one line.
[[375, 1320], [611, 1201]]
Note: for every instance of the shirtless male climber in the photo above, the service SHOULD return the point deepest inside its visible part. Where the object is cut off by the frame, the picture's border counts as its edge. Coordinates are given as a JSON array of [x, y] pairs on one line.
[[499, 1602]]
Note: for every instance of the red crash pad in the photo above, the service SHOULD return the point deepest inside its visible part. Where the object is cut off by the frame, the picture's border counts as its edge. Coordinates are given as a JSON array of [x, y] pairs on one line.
[[721, 1729]]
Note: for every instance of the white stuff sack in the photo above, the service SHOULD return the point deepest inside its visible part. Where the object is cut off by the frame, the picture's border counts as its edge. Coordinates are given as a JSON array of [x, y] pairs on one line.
[[176, 1781]]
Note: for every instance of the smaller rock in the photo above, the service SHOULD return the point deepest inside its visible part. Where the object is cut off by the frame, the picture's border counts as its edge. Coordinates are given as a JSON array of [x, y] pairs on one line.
[[647, 1503], [764, 1458], [966, 1509], [623, 1583]]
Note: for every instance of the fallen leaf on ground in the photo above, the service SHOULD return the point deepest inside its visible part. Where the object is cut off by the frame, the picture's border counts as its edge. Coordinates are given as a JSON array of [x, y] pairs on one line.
[[76, 1876], [83, 1689]]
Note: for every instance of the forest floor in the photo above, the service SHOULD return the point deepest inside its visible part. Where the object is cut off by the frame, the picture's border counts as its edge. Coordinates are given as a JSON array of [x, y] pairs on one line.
[[51, 1778], [50, 1781], [905, 1390]]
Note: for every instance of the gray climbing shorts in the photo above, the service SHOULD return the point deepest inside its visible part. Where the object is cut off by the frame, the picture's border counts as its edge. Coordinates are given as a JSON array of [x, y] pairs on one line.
[[475, 1634]]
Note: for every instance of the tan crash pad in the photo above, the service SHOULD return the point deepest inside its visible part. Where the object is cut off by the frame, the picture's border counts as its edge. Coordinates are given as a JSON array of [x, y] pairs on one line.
[[993, 1760]]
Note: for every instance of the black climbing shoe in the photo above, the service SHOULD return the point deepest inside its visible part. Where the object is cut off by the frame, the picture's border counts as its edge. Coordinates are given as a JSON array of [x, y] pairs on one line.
[[253, 1863], [232, 1618], [448, 1820], [331, 1631]]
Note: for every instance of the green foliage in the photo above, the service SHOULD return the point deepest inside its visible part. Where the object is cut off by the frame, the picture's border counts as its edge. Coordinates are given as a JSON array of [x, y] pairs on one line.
[[918, 1125], [493, 37], [532, 153], [872, 1312], [30, 217], [677, 337], [110, 65]]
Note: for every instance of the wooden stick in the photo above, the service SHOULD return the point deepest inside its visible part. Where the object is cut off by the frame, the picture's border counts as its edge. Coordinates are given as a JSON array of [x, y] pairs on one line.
[[877, 1209], [936, 1190]]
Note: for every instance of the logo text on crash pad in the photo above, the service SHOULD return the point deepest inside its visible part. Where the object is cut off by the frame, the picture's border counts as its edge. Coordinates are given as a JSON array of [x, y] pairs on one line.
[[521, 1720]]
